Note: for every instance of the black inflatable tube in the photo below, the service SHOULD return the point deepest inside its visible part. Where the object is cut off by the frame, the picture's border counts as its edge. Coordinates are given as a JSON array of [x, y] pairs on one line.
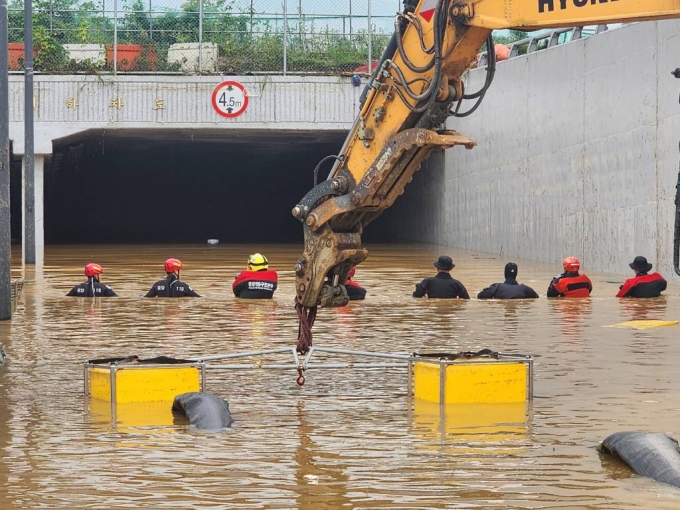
[[204, 411], [649, 454]]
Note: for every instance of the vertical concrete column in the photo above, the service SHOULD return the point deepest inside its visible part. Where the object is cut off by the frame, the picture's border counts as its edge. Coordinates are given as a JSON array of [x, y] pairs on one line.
[[5, 238], [32, 226]]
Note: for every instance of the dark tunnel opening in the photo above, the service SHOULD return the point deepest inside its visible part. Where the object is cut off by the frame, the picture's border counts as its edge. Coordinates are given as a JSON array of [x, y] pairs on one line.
[[182, 187], [187, 187]]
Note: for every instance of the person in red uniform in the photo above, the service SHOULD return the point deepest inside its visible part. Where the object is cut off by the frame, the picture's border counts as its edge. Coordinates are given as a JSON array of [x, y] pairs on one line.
[[442, 285], [92, 287], [258, 281], [570, 283], [643, 284], [354, 290], [171, 285]]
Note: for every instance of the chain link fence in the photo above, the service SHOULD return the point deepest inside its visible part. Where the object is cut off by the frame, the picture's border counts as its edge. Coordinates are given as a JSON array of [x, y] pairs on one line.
[[202, 36]]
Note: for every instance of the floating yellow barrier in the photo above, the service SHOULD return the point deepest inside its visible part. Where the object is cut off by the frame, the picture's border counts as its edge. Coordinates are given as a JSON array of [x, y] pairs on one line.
[[130, 382], [501, 378], [472, 402], [643, 324]]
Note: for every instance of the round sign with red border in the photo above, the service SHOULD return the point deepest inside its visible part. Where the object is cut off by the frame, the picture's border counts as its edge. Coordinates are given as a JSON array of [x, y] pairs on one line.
[[230, 99]]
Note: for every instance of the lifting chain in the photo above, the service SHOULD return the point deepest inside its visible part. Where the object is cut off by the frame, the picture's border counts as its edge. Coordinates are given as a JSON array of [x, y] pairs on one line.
[[301, 378], [306, 317]]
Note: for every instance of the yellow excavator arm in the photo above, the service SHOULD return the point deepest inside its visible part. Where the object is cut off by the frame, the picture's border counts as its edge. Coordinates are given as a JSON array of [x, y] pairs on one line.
[[404, 106]]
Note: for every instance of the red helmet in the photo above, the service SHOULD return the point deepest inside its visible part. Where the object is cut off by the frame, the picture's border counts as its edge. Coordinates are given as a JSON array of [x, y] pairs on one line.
[[172, 265], [571, 264], [92, 269], [351, 272]]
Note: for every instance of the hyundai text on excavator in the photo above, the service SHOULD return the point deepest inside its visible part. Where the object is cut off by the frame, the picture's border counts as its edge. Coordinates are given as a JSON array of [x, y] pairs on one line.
[[404, 106]]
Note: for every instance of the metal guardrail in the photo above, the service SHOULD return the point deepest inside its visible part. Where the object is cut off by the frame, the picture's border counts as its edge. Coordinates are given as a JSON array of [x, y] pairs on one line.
[[203, 36], [553, 38], [206, 37]]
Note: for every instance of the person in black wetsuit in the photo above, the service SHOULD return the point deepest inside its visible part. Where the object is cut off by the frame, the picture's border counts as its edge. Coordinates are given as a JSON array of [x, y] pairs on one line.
[[257, 281], [171, 285], [509, 289], [442, 285], [354, 290], [642, 285], [92, 287]]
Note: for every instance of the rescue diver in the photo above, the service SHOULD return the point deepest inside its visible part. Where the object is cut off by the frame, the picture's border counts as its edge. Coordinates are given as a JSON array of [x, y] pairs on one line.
[[355, 291], [509, 289], [171, 285], [92, 287], [570, 283], [442, 285], [642, 285], [257, 281]]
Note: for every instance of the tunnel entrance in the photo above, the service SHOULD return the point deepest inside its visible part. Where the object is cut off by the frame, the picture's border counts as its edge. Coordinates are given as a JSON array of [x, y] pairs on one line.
[[182, 186]]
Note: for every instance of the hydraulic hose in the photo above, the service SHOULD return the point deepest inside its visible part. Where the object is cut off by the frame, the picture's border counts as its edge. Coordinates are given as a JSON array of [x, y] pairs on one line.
[[318, 166], [391, 48], [402, 51], [431, 92], [490, 72]]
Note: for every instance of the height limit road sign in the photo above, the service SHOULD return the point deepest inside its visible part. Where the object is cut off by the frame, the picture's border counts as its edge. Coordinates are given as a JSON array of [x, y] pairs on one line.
[[230, 99]]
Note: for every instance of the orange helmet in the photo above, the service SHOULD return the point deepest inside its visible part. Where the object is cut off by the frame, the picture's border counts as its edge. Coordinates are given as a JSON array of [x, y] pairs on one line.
[[172, 265], [571, 264], [92, 269], [351, 272]]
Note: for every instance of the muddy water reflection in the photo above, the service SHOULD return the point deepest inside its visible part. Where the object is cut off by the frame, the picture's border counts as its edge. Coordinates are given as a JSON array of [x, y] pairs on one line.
[[348, 438]]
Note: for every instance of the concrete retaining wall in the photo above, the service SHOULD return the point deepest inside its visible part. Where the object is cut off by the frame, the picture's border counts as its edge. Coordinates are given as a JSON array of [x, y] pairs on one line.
[[577, 155]]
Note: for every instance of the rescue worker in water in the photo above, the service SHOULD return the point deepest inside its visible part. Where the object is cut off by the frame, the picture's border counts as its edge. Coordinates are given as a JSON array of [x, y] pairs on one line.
[[642, 285], [570, 283], [257, 281], [92, 287], [171, 285], [509, 289], [354, 290], [442, 285]]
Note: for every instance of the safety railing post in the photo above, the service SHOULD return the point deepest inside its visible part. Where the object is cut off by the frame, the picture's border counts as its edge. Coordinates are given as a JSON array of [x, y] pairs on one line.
[[28, 243], [200, 36], [370, 39], [299, 16], [5, 236], [350, 20], [115, 36], [285, 37]]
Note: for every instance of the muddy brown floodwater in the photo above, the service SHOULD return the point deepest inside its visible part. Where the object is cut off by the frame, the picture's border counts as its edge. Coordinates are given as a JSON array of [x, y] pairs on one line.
[[349, 438]]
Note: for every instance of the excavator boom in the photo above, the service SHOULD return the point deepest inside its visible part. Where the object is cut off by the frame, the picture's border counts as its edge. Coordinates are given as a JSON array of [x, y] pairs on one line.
[[416, 87], [537, 14]]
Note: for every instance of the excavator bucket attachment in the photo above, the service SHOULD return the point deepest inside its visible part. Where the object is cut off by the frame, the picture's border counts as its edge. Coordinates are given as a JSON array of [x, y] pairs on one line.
[[333, 228]]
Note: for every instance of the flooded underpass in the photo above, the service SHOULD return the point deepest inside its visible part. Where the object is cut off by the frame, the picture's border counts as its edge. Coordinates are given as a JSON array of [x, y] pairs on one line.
[[349, 438], [141, 186]]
